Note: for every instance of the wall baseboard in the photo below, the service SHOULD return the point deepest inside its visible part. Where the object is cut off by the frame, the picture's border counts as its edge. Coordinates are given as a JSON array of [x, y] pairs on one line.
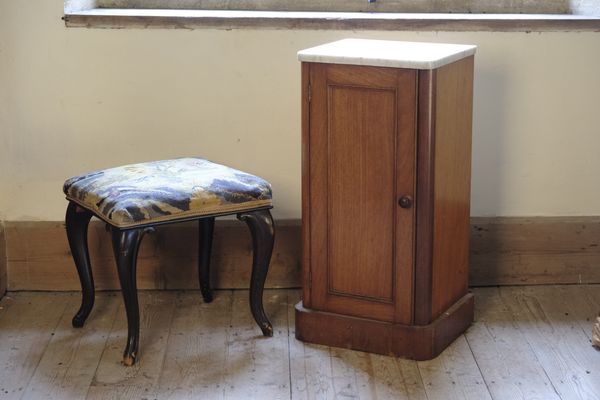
[[531, 251], [504, 251], [39, 257]]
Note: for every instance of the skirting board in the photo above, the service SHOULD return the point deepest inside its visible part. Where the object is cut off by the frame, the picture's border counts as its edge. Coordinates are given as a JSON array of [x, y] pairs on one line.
[[39, 257], [504, 251], [533, 251]]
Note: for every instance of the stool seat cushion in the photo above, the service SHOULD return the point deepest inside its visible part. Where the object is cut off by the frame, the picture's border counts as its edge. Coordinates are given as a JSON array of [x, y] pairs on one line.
[[166, 190]]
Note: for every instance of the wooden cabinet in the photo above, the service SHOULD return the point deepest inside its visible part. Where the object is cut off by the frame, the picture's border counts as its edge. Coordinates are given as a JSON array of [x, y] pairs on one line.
[[386, 150]]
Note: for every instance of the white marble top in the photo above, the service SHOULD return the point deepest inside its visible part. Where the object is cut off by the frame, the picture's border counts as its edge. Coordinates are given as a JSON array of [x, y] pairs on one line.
[[387, 53]]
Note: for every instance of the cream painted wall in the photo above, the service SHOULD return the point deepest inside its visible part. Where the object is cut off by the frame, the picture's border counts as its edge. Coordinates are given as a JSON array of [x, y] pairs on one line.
[[74, 100]]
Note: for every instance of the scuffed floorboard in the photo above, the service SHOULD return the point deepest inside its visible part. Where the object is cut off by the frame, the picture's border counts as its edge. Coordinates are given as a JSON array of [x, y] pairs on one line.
[[526, 342]]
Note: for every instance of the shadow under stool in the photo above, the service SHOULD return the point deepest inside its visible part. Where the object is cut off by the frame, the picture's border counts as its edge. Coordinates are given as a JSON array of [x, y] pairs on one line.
[[133, 199]]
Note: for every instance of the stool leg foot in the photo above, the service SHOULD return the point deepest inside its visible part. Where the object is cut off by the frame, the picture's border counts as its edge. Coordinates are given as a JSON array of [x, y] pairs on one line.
[[125, 246], [206, 227], [261, 227], [77, 220]]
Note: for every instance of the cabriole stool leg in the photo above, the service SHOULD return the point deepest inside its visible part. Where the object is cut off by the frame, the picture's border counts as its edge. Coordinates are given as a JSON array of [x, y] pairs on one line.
[[77, 221], [261, 227], [125, 246], [206, 227]]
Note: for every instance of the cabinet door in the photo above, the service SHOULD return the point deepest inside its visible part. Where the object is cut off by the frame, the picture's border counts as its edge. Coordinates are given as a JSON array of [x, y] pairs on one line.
[[361, 161]]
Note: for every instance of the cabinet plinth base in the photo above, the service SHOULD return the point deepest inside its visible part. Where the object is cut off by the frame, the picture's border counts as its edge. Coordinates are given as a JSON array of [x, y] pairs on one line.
[[417, 342]]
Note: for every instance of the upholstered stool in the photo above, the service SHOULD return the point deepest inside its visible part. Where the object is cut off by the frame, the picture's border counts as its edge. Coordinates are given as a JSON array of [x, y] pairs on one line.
[[133, 199]]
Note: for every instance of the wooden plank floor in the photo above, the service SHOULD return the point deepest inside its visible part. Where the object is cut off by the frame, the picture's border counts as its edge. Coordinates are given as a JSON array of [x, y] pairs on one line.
[[528, 342]]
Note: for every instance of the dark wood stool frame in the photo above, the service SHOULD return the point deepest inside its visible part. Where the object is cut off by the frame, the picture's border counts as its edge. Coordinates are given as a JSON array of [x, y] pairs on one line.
[[126, 242]]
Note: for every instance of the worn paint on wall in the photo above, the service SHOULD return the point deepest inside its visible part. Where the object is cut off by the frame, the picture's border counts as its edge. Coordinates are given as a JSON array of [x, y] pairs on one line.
[[75, 100]]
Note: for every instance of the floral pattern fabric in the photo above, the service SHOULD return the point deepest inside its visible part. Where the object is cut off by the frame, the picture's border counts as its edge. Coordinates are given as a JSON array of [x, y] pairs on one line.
[[166, 190]]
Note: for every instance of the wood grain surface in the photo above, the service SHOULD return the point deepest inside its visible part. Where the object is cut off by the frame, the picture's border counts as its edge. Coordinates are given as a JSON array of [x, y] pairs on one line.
[[452, 184], [361, 171], [415, 342], [306, 179], [361, 161], [538, 250], [528, 342], [39, 257], [425, 196], [504, 251]]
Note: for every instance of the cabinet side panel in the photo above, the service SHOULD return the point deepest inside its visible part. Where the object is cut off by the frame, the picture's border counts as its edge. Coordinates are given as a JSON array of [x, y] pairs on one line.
[[305, 185], [452, 187]]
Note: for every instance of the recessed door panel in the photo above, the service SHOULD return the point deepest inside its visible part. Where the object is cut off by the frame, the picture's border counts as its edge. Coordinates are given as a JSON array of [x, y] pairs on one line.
[[361, 172]]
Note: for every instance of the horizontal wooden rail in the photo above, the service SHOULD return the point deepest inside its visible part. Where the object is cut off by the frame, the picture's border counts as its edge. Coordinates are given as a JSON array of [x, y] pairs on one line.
[[504, 251]]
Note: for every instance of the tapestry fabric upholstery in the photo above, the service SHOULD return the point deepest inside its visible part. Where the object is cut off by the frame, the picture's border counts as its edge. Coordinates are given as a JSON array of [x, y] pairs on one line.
[[166, 190]]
